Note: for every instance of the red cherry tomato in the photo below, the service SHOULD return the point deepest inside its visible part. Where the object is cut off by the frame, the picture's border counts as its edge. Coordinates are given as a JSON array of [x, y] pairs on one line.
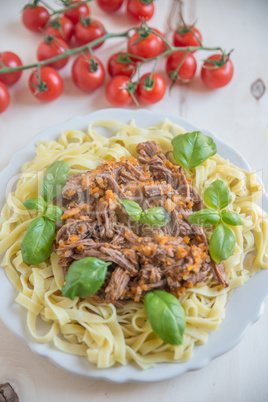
[[139, 10], [10, 59], [151, 46], [61, 27], [187, 35], [88, 74], [151, 89], [50, 87], [74, 14], [116, 94], [187, 69], [52, 48], [121, 64], [35, 17], [110, 6], [220, 76], [4, 97], [87, 30]]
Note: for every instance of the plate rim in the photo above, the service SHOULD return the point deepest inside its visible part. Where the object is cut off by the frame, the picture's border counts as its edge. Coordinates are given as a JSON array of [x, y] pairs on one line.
[[110, 374]]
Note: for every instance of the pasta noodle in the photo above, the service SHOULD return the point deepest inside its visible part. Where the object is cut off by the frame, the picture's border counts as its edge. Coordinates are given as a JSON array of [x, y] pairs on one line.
[[104, 334]]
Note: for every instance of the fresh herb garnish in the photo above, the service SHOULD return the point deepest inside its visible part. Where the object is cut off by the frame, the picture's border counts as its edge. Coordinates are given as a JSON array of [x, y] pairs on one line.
[[166, 316], [36, 245], [155, 216], [85, 277], [222, 242], [191, 149]]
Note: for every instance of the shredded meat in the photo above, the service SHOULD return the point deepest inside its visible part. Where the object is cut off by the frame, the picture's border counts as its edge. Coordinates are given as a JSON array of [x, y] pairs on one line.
[[173, 257]]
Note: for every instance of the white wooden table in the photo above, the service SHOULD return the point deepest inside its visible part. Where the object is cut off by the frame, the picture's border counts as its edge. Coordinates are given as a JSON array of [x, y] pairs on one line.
[[232, 113]]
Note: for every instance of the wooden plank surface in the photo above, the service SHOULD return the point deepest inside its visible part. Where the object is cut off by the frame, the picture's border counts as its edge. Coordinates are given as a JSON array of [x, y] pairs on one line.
[[233, 113]]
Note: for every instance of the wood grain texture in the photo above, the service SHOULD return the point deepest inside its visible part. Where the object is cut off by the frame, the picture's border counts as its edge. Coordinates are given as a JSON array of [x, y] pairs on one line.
[[233, 113]]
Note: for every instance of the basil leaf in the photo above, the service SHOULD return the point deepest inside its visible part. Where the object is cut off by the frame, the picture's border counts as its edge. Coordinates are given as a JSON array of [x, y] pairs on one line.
[[191, 149], [155, 216], [231, 218], [132, 208], [53, 212], [84, 277], [217, 195], [166, 316], [54, 180], [37, 242], [204, 217], [36, 204], [222, 243]]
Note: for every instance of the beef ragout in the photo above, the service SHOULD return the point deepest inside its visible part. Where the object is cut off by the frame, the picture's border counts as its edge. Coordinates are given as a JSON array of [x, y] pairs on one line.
[[172, 258]]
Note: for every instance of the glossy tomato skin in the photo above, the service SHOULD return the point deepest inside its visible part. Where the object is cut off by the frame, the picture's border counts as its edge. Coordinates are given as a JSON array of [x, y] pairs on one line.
[[219, 77], [115, 94], [35, 18], [10, 59], [187, 69], [52, 80], [88, 33], [110, 6], [154, 94], [61, 27], [115, 67], [54, 48], [4, 97], [75, 13], [83, 74], [151, 46], [187, 39], [138, 11]]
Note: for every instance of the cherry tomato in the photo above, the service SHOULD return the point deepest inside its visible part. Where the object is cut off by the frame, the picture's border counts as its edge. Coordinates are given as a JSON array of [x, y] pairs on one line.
[[121, 64], [10, 59], [74, 14], [139, 10], [4, 97], [88, 74], [187, 35], [110, 6], [51, 48], [150, 46], [220, 76], [35, 17], [61, 27], [50, 87], [151, 89], [115, 93], [187, 69], [87, 30]]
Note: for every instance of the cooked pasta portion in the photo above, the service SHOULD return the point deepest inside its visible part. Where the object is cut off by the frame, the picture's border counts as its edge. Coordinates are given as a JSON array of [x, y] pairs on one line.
[[106, 333]]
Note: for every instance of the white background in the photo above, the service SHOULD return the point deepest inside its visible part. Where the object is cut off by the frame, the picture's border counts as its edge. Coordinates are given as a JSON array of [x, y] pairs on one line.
[[231, 112]]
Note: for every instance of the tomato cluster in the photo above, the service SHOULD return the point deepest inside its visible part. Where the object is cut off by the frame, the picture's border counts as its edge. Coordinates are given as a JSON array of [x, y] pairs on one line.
[[76, 26]]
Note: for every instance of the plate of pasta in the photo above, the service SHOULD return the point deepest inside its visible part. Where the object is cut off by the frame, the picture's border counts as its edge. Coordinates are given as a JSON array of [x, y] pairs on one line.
[[134, 246]]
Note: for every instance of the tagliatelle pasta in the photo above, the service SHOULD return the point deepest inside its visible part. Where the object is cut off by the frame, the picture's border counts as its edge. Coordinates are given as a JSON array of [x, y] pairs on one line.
[[106, 334]]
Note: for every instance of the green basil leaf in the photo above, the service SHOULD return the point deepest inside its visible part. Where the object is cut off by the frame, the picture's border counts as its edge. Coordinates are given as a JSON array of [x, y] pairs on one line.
[[222, 243], [36, 204], [191, 149], [155, 216], [231, 218], [132, 208], [84, 277], [37, 242], [166, 316], [217, 195], [53, 212], [204, 217], [54, 180]]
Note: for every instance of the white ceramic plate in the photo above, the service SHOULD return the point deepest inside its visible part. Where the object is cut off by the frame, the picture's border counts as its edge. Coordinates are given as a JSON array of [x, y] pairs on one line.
[[244, 308]]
